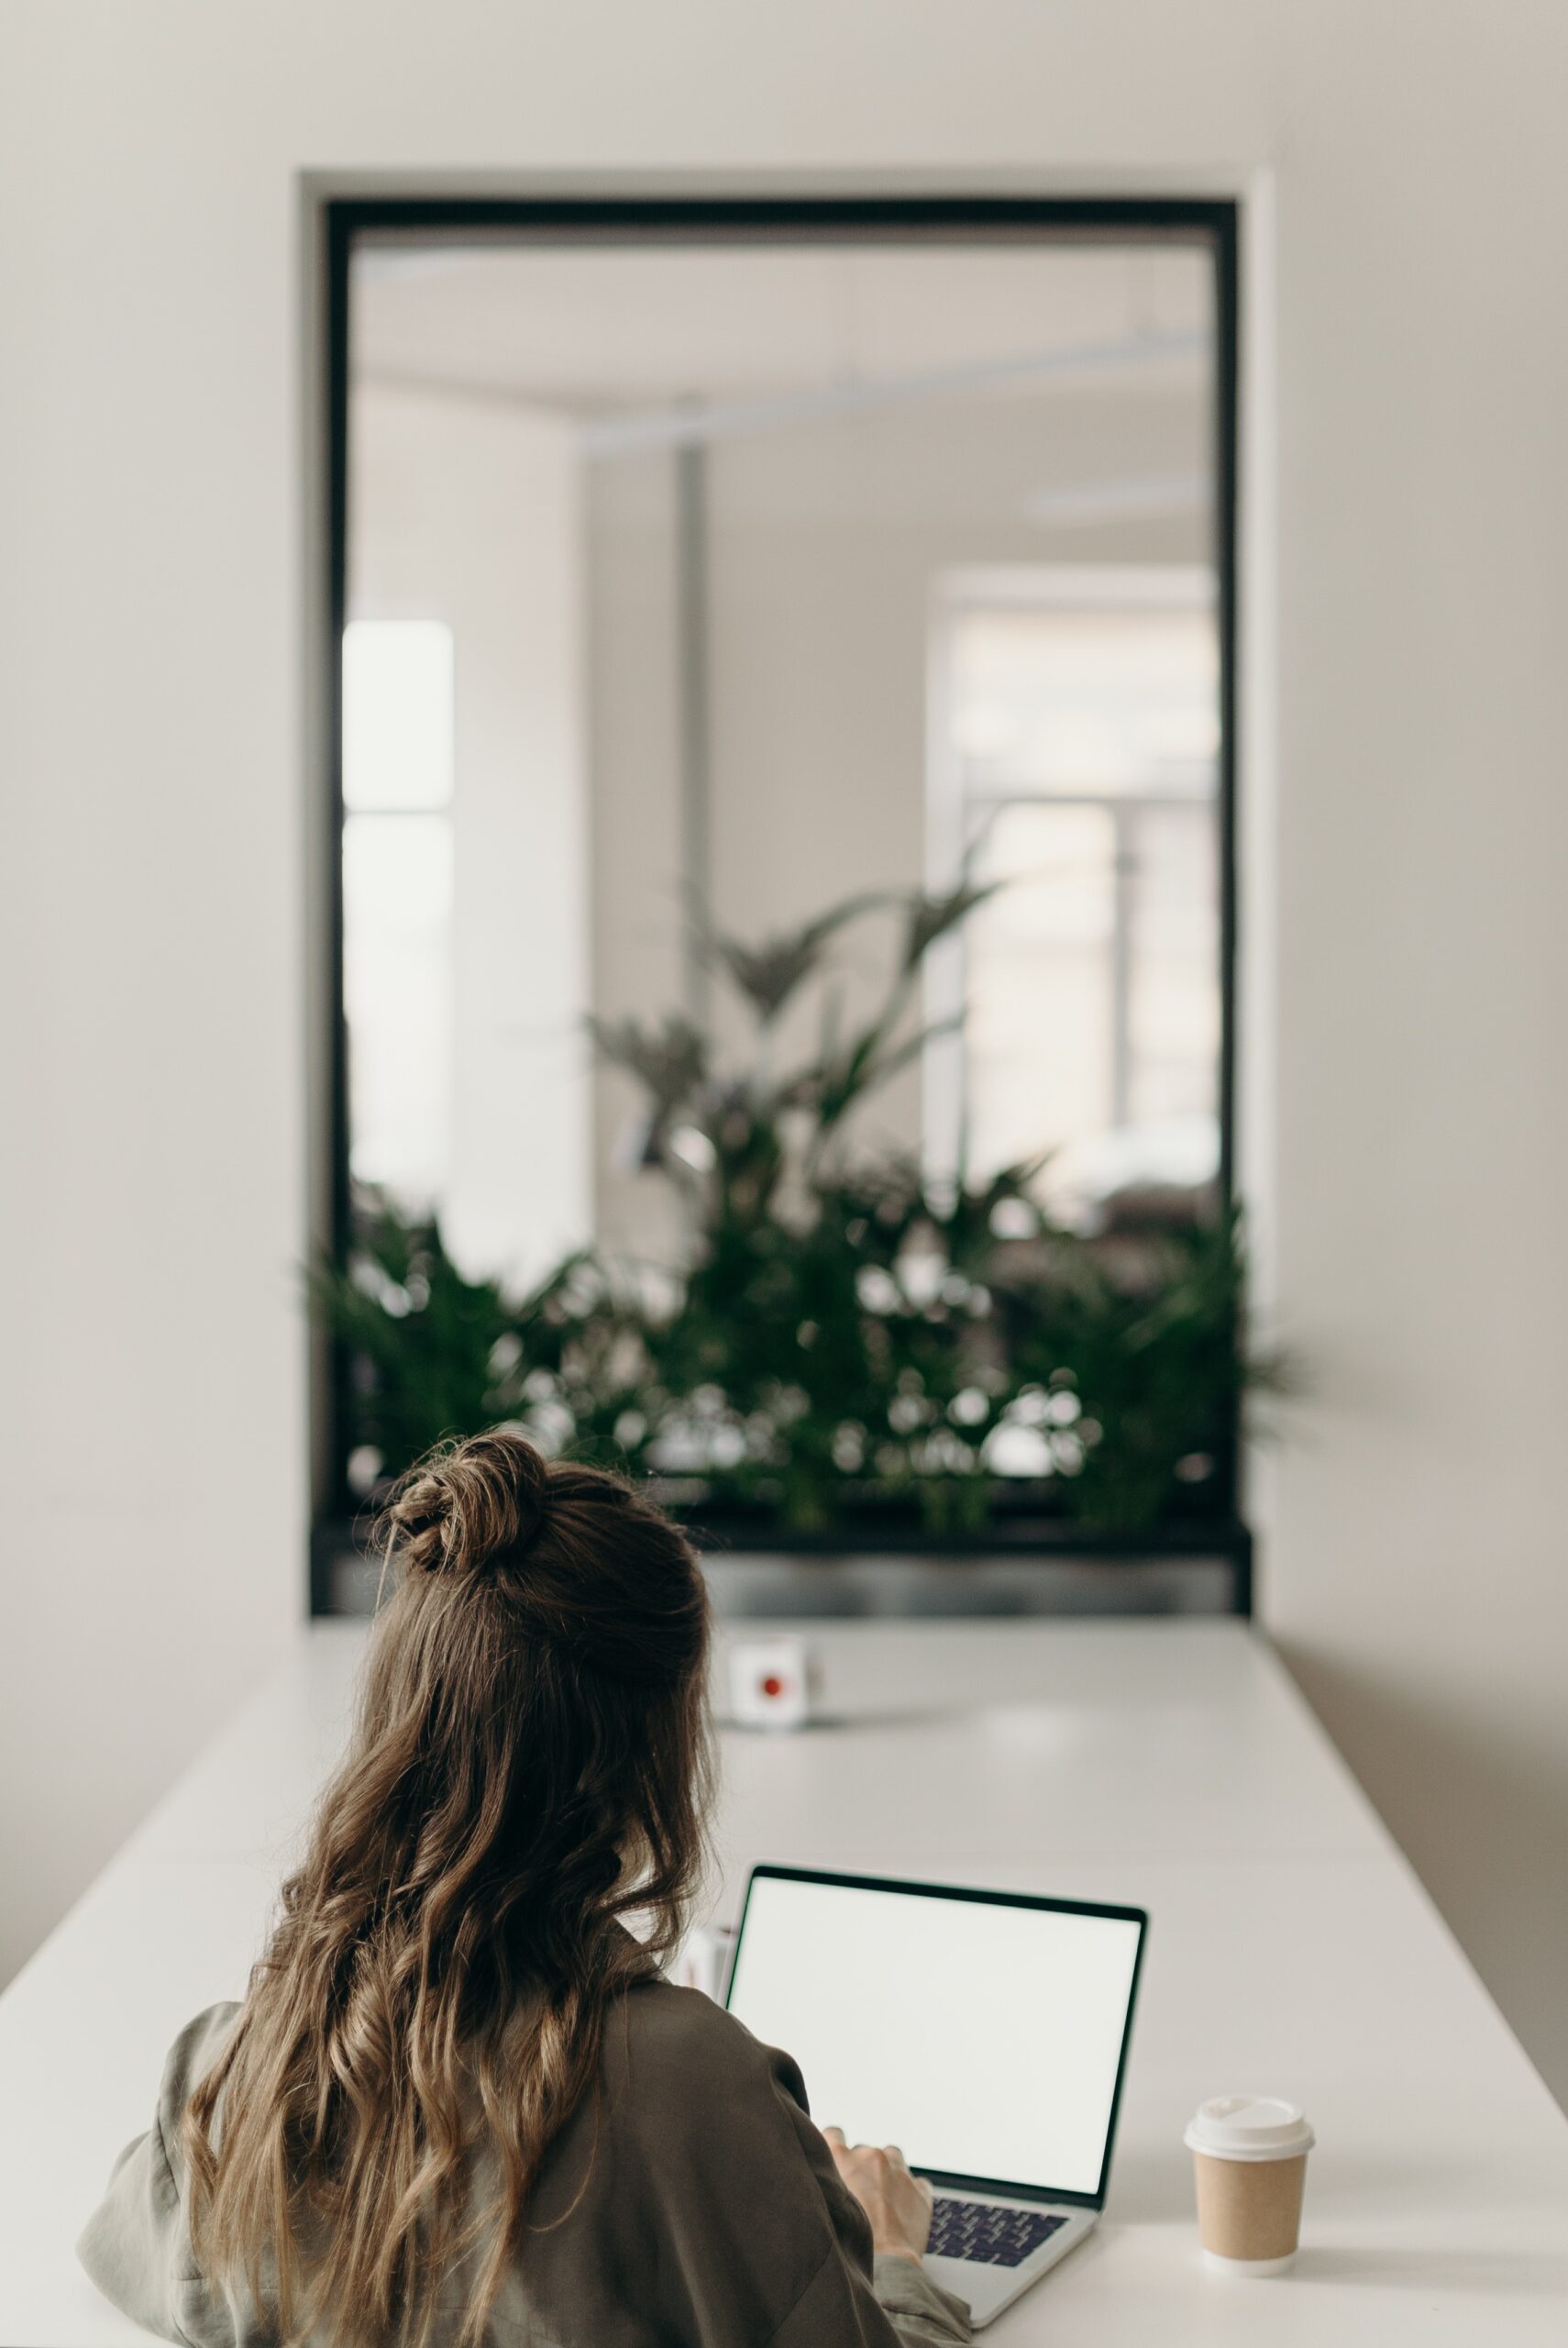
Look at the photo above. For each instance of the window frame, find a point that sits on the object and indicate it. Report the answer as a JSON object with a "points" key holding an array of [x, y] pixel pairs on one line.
{"points": [[341, 220], [952, 804]]}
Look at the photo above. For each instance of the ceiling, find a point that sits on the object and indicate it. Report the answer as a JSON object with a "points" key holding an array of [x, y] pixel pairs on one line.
{"points": [[594, 329]]}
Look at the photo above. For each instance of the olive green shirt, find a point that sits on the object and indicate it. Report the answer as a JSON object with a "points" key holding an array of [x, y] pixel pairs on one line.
{"points": [[712, 2215]]}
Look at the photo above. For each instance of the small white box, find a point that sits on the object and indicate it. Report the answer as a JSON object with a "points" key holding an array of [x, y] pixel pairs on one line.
{"points": [[770, 1683]]}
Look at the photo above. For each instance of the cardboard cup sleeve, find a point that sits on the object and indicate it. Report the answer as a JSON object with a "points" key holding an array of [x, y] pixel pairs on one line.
{"points": [[1250, 2165]]}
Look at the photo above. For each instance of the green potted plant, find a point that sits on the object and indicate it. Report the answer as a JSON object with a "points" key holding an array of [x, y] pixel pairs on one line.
{"points": [[843, 1341]]}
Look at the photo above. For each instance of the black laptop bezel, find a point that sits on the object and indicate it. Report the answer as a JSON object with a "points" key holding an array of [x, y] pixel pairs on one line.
{"points": [[1139, 1916]]}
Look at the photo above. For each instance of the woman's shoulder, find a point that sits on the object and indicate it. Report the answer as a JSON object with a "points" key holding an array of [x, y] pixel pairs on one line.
{"points": [[666, 2023], [699, 2109], [189, 2059], [678, 2040]]}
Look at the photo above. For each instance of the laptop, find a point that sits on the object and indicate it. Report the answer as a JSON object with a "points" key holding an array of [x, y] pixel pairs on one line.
{"points": [[983, 2033]]}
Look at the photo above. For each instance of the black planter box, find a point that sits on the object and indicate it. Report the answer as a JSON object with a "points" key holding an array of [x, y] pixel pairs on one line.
{"points": [[880, 1559]]}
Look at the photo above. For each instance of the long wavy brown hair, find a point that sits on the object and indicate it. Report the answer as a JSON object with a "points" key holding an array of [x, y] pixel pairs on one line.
{"points": [[530, 1766]]}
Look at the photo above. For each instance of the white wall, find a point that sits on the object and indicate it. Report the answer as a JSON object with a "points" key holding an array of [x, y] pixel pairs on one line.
{"points": [[470, 512], [826, 546], [151, 627], [635, 770], [825, 542], [1417, 1576]]}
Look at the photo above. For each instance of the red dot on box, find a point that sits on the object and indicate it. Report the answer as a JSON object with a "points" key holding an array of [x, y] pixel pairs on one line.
{"points": [[773, 1685]]}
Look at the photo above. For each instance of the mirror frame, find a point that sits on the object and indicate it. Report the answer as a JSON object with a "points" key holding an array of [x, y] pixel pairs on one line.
{"points": [[795, 219]]}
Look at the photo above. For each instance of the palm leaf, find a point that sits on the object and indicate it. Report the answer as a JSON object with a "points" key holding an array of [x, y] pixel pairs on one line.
{"points": [[770, 972]]}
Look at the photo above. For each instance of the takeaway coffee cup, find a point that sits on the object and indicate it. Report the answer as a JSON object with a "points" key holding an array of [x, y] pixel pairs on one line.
{"points": [[1249, 2152]]}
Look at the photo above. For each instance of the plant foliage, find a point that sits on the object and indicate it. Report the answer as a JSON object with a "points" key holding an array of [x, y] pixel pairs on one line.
{"points": [[839, 1326]]}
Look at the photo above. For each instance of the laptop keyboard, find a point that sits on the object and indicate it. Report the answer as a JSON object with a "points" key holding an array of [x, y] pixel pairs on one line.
{"points": [[988, 2235]]}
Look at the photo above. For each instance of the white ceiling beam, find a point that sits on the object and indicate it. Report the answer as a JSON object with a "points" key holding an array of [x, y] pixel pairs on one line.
{"points": [[696, 423]]}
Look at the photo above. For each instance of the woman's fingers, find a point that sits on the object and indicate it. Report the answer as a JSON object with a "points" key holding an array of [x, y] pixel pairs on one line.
{"points": [[923, 2185], [898, 2205]]}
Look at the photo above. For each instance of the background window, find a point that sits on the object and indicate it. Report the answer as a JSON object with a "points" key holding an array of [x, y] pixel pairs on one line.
{"points": [[726, 604], [398, 722], [1074, 769]]}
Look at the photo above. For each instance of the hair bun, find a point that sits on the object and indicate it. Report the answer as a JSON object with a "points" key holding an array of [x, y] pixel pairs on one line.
{"points": [[461, 1509]]}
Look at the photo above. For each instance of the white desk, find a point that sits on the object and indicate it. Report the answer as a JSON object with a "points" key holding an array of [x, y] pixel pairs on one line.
{"points": [[1168, 1764]]}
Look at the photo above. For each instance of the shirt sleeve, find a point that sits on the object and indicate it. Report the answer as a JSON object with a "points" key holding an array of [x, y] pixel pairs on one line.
{"points": [[136, 2246], [919, 2310], [130, 2244], [844, 2308], [722, 2201], [854, 2300]]}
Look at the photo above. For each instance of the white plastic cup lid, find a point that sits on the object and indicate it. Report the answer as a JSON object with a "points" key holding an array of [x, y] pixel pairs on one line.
{"points": [[1249, 2127]]}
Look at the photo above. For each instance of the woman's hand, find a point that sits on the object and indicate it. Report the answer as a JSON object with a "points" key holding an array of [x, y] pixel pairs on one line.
{"points": [[898, 2204]]}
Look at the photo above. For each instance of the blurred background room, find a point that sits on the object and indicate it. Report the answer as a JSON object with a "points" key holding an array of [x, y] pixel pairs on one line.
{"points": [[822, 748], [786, 972]]}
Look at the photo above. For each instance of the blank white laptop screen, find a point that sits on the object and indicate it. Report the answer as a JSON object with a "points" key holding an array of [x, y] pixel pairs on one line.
{"points": [[983, 2039]]}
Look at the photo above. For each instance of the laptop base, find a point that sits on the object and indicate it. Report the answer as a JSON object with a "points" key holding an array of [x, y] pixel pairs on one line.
{"points": [[989, 2289]]}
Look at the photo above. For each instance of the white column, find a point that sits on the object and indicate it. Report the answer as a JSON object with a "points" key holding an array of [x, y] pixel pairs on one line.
{"points": [[470, 512]]}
